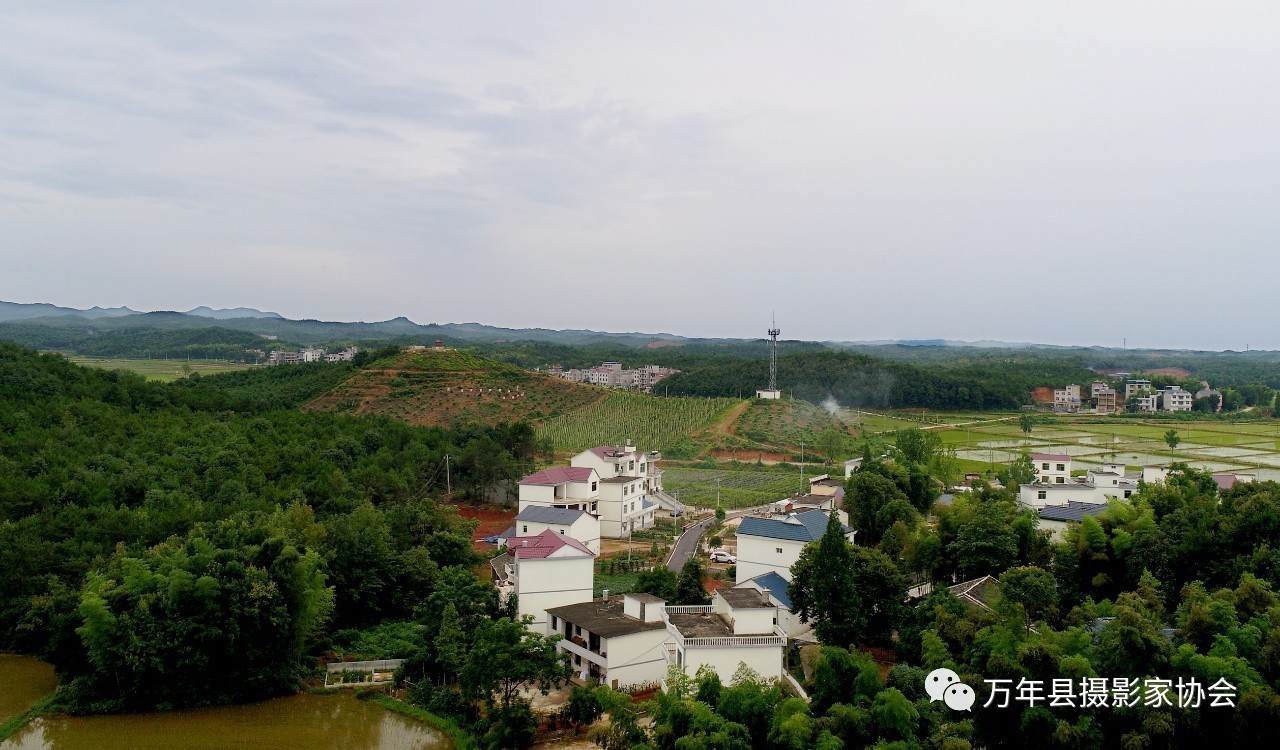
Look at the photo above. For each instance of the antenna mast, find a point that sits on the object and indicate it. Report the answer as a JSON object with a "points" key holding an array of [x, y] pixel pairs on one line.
{"points": [[773, 355]]}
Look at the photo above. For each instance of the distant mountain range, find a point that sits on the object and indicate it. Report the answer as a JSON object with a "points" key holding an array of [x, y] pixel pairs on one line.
{"points": [[25, 311]]}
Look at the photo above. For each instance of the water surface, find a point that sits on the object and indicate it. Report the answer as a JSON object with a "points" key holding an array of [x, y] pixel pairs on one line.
{"points": [[23, 681], [324, 722]]}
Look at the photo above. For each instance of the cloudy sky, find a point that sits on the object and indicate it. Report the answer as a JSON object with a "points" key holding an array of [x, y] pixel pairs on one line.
{"points": [[1062, 173]]}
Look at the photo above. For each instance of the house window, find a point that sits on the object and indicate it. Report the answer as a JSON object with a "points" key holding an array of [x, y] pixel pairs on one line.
{"points": [[778, 550], [1042, 495], [555, 622], [1062, 480], [631, 466], [577, 630], [1044, 466], [577, 659], [524, 529], [561, 531], [1062, 467], [593, 486], [1127, 493]]}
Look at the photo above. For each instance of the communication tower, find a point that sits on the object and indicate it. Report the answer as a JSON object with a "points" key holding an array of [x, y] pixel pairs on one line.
{"points": [[772, 391]]}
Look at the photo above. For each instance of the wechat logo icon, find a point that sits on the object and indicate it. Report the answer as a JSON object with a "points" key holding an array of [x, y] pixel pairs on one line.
{"points": [[945, 685]]}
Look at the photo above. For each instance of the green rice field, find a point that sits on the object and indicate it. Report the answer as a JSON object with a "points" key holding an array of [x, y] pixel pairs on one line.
{"points": [[161, 369], [987, 439]]}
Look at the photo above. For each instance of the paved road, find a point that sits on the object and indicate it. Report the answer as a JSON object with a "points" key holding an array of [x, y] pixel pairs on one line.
{"points": [[687, 544]]}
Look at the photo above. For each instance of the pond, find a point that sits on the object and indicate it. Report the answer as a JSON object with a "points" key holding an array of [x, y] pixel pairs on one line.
{"points": [[23, 681], [323, 722]]}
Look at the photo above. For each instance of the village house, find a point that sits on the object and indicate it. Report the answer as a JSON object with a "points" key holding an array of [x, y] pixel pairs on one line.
{"points": [[1055, 519], [1052, 468], [1067, 400], [542, 571], [1174, 398], [738, 628], [1136, 387], [571, 487], [774, 544], [578, 524], [628, 476], [619, 641], [777, 588], [1096, 487]]}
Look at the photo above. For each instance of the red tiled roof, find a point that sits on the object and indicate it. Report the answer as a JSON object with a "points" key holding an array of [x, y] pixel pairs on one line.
{"points": [[608, 452], [1050, 457], [543, 545], [559, 475]]}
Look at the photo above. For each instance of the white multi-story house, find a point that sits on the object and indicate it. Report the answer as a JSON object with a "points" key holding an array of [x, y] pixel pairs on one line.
{"points": [[1174, 398], [619, 641], [542, 571], [627, 477], [1137, 387], [1067, 399], [1097, 387], [571, 487], [738, 628], [1052, 468], [1147, 403], [1097, 487], [578, 524], [1106, 401], [774, 544]]}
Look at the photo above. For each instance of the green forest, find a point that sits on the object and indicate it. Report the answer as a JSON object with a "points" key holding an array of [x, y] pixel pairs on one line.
{"points": [[190, 543]]}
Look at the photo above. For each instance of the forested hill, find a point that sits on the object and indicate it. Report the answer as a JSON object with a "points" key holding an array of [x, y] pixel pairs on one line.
{"points": [[859, 380], [164, 546]]}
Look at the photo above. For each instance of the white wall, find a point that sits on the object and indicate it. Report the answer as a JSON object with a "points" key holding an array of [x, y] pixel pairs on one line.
{"points": [[758, 555], [552, 582], [637, 659], [766, 660], [586, 530]]}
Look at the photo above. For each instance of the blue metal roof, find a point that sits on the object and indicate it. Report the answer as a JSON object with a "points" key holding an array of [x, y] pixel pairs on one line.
{"points": [[775, 584], [802, 527], [544, 514]]}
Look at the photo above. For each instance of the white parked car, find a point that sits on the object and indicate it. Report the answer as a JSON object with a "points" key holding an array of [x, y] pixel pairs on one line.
{"points": [[720, 556]]}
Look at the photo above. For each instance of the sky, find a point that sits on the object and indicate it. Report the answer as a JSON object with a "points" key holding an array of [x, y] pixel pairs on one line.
{"points": [[1064, 173]]}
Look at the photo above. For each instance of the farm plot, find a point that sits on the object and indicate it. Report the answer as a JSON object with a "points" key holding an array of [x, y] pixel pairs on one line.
{"points": [[738, 489], [652, 422]]}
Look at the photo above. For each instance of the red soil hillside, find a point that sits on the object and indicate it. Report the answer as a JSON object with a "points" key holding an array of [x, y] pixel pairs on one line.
{"points": [[444, 387]]}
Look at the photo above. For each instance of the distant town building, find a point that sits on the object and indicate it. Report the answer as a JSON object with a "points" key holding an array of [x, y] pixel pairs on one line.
{"points": [[1067, 400], [1105, 401], [614, 375], [1134, 388], [280, 357]]}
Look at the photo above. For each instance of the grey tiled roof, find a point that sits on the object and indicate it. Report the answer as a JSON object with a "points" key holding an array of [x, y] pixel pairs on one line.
{"points": [[545, 514]]}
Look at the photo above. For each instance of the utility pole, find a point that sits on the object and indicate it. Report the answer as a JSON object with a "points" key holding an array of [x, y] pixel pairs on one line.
{"points": [[448, 480]]}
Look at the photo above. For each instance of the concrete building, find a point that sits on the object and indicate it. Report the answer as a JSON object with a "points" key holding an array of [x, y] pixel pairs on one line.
{"points": [[1148, 403], [571, 487], [768, 545], [620, 641], [1096, 488], [628, 476], [1174, 398], [1105, 401], [1056, 519], [1067, 400], [578, 524], [1137, 387], [777, 588], [737, 628], [1097, 387], [1052, 468], [543, 571]]}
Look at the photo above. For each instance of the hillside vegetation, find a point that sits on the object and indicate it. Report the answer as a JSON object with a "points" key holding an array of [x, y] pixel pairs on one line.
{"points": [[445, 387], [789, 423], [649, 421]]}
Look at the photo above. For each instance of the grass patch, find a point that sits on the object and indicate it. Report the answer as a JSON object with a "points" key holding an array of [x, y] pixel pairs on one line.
{"points": [[461, 739], [14, 723], [161, 369]]}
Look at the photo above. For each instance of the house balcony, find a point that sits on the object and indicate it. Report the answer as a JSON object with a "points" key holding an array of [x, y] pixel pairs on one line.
{"points": [[574, 646]]}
